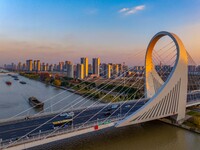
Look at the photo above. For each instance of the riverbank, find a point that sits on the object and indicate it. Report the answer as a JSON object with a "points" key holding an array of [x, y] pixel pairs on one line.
{"points": [[191, 123], [89, 89], [183, 126], [77, 92]]}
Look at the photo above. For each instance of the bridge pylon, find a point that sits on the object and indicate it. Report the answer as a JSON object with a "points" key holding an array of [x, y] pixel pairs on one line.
{"points": [[166, 98]]}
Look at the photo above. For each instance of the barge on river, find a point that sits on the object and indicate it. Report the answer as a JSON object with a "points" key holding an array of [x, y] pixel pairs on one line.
{"points": [[35, 102]]}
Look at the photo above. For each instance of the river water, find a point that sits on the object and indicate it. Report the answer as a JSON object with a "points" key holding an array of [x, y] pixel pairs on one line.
{"points": [[14, 98], [153, 135]]}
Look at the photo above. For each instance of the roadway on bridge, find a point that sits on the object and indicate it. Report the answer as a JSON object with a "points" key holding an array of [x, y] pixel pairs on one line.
{"points": [[18, 129]]}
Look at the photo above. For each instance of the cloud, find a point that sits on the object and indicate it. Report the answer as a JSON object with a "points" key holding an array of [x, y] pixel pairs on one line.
{"points": [[123, 10], [130, 11]]}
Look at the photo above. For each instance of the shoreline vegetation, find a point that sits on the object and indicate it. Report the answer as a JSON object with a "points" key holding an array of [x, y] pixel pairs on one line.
{"points": [[88, 88], [193, 120]]}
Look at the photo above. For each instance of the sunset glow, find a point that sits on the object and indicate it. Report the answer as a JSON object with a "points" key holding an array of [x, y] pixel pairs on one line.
{"points": [[54, 30]]}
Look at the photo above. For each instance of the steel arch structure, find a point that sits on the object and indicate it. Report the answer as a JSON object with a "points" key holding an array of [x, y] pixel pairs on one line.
{"points": [[166, 98]]}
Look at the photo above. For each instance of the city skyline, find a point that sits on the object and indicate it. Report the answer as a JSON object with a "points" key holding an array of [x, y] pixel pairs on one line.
{"points": [[109, 30]]}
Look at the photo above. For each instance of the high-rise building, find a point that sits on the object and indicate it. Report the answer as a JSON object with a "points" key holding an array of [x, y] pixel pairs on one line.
{"points": [[84, 61], [29, 65], [198, 68], [19, 66], [66, 65], [24, 67], [191, 68], [47, 67], [120, 69], [51, 68], [125, 68], [35, 65], [38, 65], [115, 69], [54, 67], [96, 66], [108, 71], [90, 69], [44, 67], [70, 70], [80, 71], [61, 64], [103, 70]]}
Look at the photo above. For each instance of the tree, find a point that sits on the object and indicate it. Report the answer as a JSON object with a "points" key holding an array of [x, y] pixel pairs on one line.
{"points": [[64, 83], [43, 76], [196, 120], [47, 80], [57, 82]]}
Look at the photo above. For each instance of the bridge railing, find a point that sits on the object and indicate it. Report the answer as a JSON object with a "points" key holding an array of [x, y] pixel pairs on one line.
{"points": [[53, 132]]}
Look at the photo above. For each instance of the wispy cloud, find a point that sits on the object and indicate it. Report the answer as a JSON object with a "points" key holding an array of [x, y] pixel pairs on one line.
{"points": [[129, 11], [123, 10]]}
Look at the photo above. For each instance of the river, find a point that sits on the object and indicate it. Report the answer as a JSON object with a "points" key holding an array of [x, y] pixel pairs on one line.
{"points": [[153, 135], [14, 98]]}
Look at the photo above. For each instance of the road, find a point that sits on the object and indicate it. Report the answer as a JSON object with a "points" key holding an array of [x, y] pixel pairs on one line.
{"points": [[16, 130]]}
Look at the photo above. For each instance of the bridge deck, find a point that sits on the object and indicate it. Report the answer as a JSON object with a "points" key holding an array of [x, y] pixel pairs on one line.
{"points": [[14, 129]]}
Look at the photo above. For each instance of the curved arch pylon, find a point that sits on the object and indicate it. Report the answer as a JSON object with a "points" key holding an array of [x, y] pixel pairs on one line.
{"points": [[166, 98]]}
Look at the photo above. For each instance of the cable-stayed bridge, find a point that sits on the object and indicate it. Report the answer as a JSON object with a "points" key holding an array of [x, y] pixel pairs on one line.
{"points": [[168, 92]]}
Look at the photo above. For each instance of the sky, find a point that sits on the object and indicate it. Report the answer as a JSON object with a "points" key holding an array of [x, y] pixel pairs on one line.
{"points": [[114, 30]]}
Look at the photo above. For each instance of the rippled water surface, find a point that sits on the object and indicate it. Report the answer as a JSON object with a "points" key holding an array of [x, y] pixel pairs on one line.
{"points": [[149, 136], [14, 98]]}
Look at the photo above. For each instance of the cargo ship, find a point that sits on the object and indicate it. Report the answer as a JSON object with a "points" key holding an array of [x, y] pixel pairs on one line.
{"points": [[35, 102], [22, 82], [8, 83]]}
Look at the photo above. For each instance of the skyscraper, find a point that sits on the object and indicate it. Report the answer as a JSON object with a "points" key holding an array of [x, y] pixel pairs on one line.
{"points": [[24, 67], [108, 71], [120, 69], [61, 64], [29, 65], [70, 70], [47, 67], [80, 71], [51, 68], [66, 65], [19, 66], [96, 66], [44, 67], [38, 65], [115, 69], [84, 61], [34, 65], [90, 68]]}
